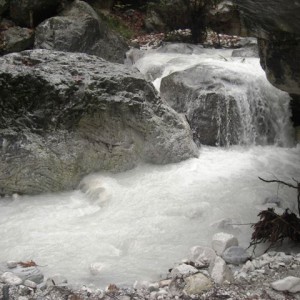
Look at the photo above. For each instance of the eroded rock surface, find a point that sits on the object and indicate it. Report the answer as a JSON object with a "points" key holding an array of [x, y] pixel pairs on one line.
{"points": [[79, 29], [64, 115]]}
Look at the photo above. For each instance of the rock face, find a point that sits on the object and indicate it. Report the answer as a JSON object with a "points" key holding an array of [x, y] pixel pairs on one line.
{"points": [[16, 39], [64, 115], [277, 26], [3, 6], [79, 29], [31, 12]]}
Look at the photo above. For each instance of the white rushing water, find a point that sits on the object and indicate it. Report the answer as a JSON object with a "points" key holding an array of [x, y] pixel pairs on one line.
{"points": [[140, 222]]}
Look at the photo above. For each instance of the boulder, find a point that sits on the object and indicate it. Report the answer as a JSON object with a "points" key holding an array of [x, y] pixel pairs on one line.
{"points": [[197, 284], [277, 26], [221, 241], [289, 284], [10, 278], [220, 272], [16, 39], [65, 115], [202, 255], [247, 51], [31, 12], [222, 107], [79, 29], [183, 270]]}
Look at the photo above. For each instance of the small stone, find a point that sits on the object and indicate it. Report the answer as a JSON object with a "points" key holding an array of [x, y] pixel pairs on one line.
{"points": [[183, 271], [196, 284], [221, 241], [22, 298], [202, 255], [290, 284], [10, 278], [248, 267], [219, 271], [165, 282], [153, 287], [12, 264], [30, 284], [235, 255], [141, 284], [56, 280]]}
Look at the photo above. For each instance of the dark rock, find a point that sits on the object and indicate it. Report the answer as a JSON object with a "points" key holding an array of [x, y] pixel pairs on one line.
{"points": [[3, 6], [277, 25], [64, 115], [79, 29], [281, 61], [31, 12], [16, 39]]}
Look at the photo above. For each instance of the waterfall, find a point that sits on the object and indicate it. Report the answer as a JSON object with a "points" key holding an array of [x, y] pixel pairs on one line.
{"points": [[247, 110], [138, 224]]}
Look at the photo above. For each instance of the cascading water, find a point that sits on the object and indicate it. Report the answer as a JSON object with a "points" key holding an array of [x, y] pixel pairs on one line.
{"points": [[249, 110], [137, 224]]}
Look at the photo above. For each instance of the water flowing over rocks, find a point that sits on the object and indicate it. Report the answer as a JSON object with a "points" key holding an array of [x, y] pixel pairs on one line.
{"points": [[274, 275], [79, 29], [65, 115]]}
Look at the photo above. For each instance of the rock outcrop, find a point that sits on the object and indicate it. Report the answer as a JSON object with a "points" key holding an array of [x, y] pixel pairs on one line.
{"points": [[277, 27], [64, 115], [79, 29]]}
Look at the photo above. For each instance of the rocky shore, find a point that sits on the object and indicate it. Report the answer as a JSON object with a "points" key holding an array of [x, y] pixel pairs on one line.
{"points": [[224, 271]]}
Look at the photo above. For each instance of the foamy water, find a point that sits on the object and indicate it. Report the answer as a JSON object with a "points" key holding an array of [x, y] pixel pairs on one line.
{"points": [[139, 223]]}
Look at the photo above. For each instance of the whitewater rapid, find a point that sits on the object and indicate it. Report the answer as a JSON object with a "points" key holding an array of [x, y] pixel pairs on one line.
{"points": [[139, 223]]}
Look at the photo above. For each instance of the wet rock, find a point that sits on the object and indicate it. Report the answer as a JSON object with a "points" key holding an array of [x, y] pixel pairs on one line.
{"points": [[81, 115], [10, 278], [56, 280], [202, 255], [221, 241], [30, 13], [79, 29], [16, 39], [220, 272], [30, 284], [235, 255], [183, 270], [290, 284], [12, 264], [30, 273], [197, 284]]}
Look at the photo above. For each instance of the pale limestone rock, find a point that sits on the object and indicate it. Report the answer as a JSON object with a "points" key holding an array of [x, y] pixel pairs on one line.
{"points": [[183, 270], [290, 284], [220, 272], [202, 255], [221, 241], [30, 284], [12, 264], [196, 284], [10, 278]]}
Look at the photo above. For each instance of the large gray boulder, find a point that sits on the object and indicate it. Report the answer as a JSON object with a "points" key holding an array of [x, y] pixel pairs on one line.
{"points": [[213, 117], [15, 39], [64, 115], [79, 29], [31, 12], [223, 109]]}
